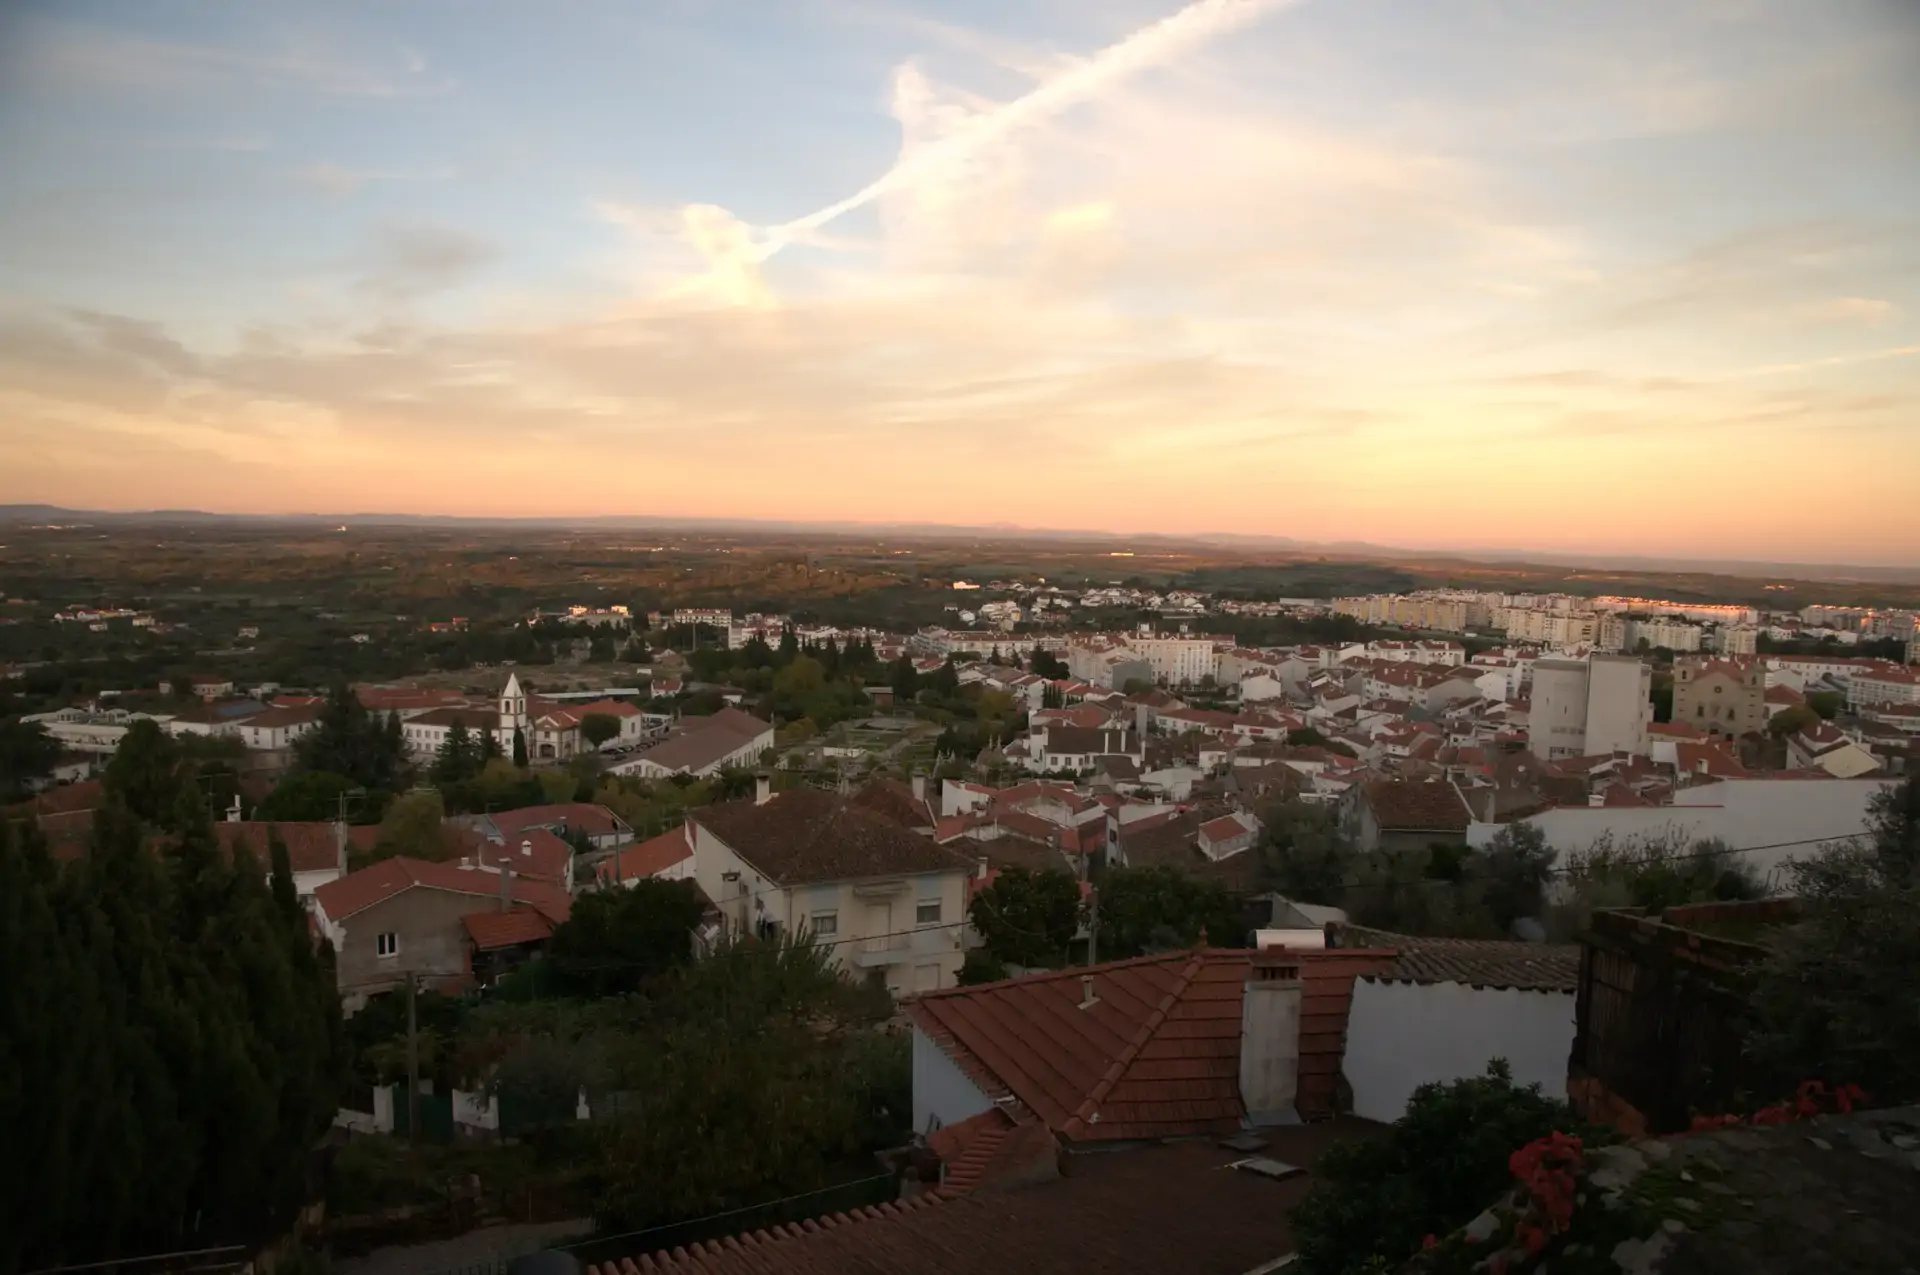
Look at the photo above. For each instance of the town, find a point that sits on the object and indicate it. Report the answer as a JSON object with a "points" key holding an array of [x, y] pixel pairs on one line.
{"points": [[920, 637], [990, 828]]}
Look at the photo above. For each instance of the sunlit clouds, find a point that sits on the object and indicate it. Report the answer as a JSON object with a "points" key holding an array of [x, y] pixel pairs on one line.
{"points": [[1623, 277]]}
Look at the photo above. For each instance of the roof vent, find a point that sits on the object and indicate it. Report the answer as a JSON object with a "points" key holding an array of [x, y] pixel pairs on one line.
{"points": [[526, 848], [1278, 1170], [1087, 998]]}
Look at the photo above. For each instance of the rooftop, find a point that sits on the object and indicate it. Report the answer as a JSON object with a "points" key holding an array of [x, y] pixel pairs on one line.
{"points": [[804, 835], [1156, 1055], [1144, 1211], [1531, 967]]}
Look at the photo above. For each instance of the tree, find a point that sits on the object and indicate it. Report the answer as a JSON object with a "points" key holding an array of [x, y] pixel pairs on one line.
{"points": [[414, 827], [27, 754], [598, 728], [1136, 686], [905, 679], [1834, 998], [519, 749], [175, 1092], [1826, 703], [617, 940], [1791, 721], [459, 756], [754, 1076], [1304, 853], [1161, 907], [1027, 917], [600, 648], [145, 773], [305, 796], [1048, 665], [1439, 1165], [348, 740], [1513, 873]]}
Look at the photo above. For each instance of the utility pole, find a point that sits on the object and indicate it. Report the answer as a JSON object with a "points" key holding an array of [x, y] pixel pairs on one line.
{"points": [[413, 1064]]}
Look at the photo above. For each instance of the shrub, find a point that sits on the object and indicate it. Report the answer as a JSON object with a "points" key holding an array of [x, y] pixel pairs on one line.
{"points": [[1437, 1167]]}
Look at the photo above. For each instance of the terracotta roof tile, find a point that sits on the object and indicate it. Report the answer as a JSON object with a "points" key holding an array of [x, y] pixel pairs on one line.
{"points": [[1158, 1053], [358, 891], [491, 931], [804, 835], [1537, 967], [311, 847], [1135, 1212], [1430, 805], [649, 858]]}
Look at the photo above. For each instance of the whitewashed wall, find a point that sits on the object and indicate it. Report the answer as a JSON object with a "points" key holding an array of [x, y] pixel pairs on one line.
{"points": [[1403, 1035], [1742, 812], [942, 1093]]}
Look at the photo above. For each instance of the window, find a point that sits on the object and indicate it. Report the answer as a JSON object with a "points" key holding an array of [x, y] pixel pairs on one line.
{"points": [[928, 913], [825, 923], [387, 944]]}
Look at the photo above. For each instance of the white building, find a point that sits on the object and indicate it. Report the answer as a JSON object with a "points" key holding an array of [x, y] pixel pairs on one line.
{"points": [[1582, 708], [1448, 1008], [888, 903]]}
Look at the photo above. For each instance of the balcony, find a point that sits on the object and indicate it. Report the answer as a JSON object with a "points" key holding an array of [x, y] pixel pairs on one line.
{"points": [[899, 949]]}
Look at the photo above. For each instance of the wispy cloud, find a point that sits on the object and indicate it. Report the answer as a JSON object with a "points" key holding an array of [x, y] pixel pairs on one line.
{"points": [[67, 56], [735, 252], [337, 179]]}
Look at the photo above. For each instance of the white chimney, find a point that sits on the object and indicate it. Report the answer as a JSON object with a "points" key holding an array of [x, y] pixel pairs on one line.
{"points": [[762, 789], [1087, 998], [1270, 1042], [233, 811], [919, 789], [340, 844], [526, 848]]}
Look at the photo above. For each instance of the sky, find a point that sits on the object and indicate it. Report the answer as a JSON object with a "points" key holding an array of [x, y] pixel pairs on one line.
{"points": [[1576, 276]]}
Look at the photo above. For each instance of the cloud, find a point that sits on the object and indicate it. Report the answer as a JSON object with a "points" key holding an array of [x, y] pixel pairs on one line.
{"points": [[1870, 311], [965, 140], [73, 56], [410, 261], [336, 179]]}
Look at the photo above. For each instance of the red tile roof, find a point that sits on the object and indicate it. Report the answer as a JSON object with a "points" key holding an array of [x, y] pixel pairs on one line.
{"points": [[649, 858], [1145, 1211], [311, 847], [1430, 805], [491, 931], [358, 891], [569, 816], [1158, 1053], [804, 835], [533, 852]]}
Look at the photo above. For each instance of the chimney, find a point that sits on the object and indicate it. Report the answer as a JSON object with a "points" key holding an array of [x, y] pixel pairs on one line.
{"points": [[1087, 998], [340, 844], [506, 887], [526, 847], [233, 811], [1270, 1042], [762, 789], [920, 789]]}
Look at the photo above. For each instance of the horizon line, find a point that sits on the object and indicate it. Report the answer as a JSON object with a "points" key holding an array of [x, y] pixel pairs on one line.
{"points": [[1596, 558]]}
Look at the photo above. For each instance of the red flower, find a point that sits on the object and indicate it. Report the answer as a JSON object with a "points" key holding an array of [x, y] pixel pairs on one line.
{"points": [[1532, 1238], [1429, 1242]]}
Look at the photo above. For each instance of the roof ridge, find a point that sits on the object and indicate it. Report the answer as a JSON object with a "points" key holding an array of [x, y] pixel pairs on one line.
{"points": [[687, 1258], [1090, 1106], [1040, 976]]}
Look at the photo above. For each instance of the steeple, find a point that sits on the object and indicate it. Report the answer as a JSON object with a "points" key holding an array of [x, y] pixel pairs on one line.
{"points": [[513, 703]]}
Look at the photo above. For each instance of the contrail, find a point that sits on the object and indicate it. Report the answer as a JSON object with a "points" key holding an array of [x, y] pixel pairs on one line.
{"points": [[1146, 47]]}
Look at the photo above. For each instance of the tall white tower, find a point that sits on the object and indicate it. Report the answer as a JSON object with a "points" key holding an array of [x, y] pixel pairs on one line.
{"points": [[513, 705]]}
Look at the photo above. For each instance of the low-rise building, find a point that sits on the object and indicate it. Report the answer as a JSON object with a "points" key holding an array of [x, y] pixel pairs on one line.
{"points": [[887, 902], [1725, 698]]}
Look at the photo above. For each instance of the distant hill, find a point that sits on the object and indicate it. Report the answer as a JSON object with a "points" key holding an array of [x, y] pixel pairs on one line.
{"points": [[1001, 532]]}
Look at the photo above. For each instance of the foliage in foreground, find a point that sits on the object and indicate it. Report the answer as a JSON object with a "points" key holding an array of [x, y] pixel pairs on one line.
{"points": [[1437, 1167], [173, 1041], [1834, 1000]]}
